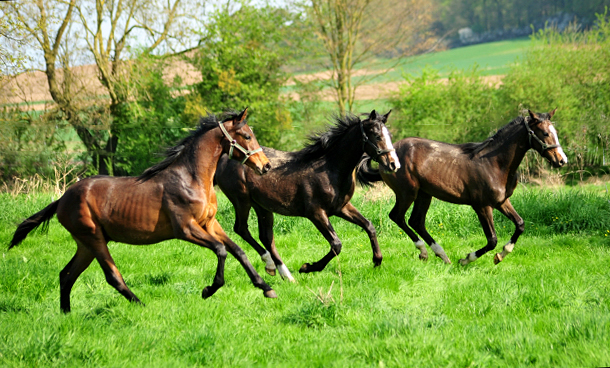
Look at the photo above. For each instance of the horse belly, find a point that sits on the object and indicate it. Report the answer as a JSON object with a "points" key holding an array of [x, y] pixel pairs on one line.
{"points": [[135, 217]]}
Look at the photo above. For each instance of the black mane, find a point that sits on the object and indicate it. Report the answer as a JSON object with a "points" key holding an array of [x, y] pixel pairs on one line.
{"points": [[472, 148], [186, 147], [321, 143]]}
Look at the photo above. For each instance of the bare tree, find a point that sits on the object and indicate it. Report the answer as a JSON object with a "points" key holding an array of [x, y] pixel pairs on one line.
{"points": [[107, 29], [112, 25], [358, 31]]}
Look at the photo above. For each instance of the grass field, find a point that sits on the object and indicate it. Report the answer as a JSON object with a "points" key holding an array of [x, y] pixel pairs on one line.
{"points": [[547, 304]]}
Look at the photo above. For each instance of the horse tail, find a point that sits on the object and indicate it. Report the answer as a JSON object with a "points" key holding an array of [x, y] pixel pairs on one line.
{"points": [[43, 217], [365, 174]]}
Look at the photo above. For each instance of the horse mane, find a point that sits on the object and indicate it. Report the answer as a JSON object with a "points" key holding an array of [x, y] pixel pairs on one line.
{"points": [[322, 142], [472, 148], [186, 147]]}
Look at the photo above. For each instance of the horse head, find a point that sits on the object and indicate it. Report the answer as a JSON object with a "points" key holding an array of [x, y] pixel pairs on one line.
{"points": [[543, 138], [377, 141], [242, 145]]}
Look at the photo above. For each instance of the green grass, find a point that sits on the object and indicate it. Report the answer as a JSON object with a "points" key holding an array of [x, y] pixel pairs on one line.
{"points": [[547, 304], [493, 58]]}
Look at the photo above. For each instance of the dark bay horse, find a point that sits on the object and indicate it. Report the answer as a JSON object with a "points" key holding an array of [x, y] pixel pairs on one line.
{"points": [[482, 175], [316, 182], [173, 199]]}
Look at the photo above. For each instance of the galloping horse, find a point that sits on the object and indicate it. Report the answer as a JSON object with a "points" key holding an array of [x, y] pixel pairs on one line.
{"points": [[316, 182], [173, 199], [482, 175]]}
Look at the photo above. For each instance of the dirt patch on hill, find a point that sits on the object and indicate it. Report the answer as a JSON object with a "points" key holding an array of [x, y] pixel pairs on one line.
{"points": [[31, 90]]}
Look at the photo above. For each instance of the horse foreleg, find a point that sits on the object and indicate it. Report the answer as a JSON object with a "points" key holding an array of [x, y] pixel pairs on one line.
{"points": [[240, 255], [322, 223], [242, 210], [192, 232], [265, 233], [351, 214], [486, 219], [507, 210], [418, 222], [397, 214], [67, 277]]}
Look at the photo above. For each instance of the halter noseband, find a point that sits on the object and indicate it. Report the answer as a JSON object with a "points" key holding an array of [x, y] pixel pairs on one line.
{"points": [[531, 135], [366, 140], [247, 153]]}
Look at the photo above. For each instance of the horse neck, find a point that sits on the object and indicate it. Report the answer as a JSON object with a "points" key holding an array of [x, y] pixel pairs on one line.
{"points": [[512, 150], [347, 152], [208, 150]]}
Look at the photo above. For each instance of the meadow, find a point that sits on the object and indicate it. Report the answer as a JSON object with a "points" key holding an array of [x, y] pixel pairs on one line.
{"points": [[546, 304]]}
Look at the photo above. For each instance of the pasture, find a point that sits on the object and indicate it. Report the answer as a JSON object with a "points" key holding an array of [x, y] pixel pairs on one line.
{"points": [[547, 304]]}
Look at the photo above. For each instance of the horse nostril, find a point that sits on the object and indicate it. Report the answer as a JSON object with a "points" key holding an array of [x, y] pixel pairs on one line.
{"points": [[267, 167]]}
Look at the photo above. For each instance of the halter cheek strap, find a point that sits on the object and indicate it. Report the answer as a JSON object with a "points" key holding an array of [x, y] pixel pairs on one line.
{"points": [[247, 153], [533, 135], [366, 140]]}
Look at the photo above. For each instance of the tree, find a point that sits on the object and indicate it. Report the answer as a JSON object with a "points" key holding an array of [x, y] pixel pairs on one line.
{"points": [[108, 29], [240, 61], [357, 31]]}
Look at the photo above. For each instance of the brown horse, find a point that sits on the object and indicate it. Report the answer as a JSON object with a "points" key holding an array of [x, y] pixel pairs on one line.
{"points": [[316, 182], [173, 199], [482, 175]]}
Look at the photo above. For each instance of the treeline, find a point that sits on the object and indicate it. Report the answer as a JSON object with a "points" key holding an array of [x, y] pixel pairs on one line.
{"points": [[493, 15]]}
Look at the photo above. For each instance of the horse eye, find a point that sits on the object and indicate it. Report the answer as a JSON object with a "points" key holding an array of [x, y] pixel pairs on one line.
{"points": [[248, 137], [545, 134]]}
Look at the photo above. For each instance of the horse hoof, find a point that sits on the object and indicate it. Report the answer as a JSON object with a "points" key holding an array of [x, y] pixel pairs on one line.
{"points": [[497, 258], [207, 292], [270, 271], [270, 294], [377, 262], [464, 262], [304, 268], [423, 257]]}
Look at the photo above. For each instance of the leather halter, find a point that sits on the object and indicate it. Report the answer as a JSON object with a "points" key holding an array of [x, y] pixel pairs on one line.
{"points": [[366, 140], [531, 135], [247, 153]]}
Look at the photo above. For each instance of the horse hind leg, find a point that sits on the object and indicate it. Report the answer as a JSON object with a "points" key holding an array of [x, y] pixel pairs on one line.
{"points": [[418, 222], [100, 249], [67, 277]]}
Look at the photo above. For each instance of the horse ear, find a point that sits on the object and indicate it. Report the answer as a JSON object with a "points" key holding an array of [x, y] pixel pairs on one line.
{"points": [[534, 117], [243, 115], [385, 117], [551, 113], [373, 115]]}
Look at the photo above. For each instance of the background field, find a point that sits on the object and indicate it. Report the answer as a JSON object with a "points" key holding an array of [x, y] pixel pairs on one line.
{"points": [[547, 304]]}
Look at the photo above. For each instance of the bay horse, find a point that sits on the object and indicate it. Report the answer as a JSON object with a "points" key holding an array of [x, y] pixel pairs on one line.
{"points": [[482, 175], [316, 182], [172, 199]]}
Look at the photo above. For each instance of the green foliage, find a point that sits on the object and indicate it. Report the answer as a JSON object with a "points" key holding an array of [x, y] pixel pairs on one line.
{"points": [[240, 61], [454, 109], [153, 121], [29, 143]]}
